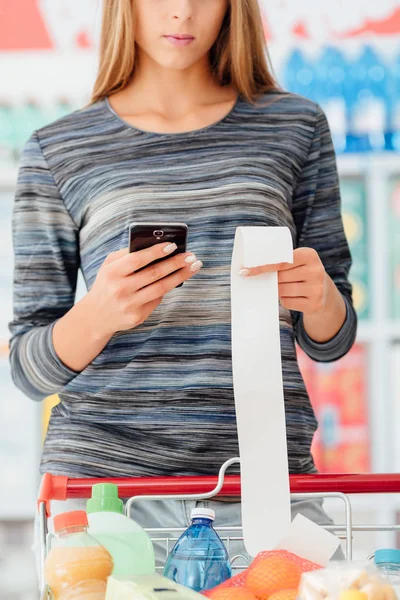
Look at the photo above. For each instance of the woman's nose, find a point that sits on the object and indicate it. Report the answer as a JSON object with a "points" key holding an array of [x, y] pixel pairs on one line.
{"points": [[182, 9]]}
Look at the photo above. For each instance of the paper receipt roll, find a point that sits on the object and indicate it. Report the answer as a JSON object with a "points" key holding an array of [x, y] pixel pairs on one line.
{"points": [[258, 386]]}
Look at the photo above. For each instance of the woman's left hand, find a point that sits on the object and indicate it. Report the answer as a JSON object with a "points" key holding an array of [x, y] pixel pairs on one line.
{"points": [[303, 284]]}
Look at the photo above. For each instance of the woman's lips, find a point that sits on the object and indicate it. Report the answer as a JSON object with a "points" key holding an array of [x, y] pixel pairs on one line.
{"points": [[179, 40]]}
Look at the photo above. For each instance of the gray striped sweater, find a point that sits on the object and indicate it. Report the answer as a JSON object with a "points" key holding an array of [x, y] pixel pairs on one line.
{"points": [[158, 400]]}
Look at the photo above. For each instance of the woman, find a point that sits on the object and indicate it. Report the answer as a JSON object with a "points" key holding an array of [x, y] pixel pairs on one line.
{"points": [[186, 124]]}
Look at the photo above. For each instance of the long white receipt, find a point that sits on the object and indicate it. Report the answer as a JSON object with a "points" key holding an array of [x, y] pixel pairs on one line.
{"points": [[258, 386]]}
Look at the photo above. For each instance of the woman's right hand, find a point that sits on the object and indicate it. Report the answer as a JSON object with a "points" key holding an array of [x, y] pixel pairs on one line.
{"points": [[123, 298]]}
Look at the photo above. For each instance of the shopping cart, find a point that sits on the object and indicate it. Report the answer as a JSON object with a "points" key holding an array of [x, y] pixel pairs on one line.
{"points": [[303, 487]]}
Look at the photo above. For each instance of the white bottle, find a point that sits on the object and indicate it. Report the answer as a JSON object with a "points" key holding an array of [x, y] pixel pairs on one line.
{"points": [[129, 545]]}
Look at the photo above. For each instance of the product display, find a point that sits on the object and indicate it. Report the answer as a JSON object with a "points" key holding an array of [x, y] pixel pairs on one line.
{"points": [[338, 392], [355, 221], [19, 120], [359, 93]]}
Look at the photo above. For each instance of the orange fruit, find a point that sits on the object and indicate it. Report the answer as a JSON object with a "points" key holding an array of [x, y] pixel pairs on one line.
{"points": [[284, 595], [231, 593], [272, 574]]}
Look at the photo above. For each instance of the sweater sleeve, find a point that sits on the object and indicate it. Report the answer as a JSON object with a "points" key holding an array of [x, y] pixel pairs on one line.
{"points": [[317, 214], [46, 261]]}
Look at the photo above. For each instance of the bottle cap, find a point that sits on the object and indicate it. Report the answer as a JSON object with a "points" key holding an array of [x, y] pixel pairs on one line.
{"points": [[75, 518], [105, 499], [203, 513], [390, 555], [353, 595]]}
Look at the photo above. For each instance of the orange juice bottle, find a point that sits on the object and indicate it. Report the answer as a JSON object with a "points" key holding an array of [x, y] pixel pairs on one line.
{"points": [[77, 566]]}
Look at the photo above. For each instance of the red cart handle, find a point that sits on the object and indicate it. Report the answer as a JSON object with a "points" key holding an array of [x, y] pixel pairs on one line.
{"points": [[57, 487]]}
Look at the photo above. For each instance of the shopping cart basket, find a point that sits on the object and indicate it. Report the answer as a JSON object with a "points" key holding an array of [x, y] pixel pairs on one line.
{"points": [[302, 487]]}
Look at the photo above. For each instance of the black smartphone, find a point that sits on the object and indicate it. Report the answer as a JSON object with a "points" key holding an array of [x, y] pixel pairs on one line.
{"points": [[145, 235]]}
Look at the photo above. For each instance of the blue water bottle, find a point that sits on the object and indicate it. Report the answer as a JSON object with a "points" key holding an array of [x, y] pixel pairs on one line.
{"points": [[331, 75], [299, 75], [199, 559], [370, 109], [395, 107]]}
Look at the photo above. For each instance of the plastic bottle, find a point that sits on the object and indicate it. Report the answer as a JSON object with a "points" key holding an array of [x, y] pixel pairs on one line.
{"points": [[388, 562], [369, 108], [331, 73], [129, 545], [199, 559], [299, 75], [395, 107], [77, 566]]}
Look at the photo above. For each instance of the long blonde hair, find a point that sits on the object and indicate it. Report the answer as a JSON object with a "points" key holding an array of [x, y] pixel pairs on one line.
{"points": [[238, 57]]}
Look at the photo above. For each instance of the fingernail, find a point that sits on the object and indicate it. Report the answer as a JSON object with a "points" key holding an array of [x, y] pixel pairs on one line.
{"points": [[170, 248], [191, 258], [196, 266], [244, 272]]}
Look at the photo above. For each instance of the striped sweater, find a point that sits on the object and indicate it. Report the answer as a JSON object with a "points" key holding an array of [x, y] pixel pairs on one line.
{"points": [[158, 400]]}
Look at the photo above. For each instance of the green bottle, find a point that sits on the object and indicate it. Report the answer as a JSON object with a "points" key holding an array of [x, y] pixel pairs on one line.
{"points": [[129, 545]]}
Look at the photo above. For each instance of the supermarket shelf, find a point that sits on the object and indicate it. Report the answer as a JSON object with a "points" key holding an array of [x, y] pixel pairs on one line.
{"points": [[358, 164], [370, 331]]}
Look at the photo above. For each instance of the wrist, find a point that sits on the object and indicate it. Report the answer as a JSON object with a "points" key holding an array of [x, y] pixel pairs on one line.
{"points": [[324, 324], [96, 326]]}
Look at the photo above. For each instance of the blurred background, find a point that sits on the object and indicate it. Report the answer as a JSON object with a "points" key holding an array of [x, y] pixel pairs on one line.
{"points": [[346, 57]]}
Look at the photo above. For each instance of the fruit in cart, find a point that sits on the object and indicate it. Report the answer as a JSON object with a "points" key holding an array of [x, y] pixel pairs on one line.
{"points": [[284, 595], [232, 593], [271, 574]]}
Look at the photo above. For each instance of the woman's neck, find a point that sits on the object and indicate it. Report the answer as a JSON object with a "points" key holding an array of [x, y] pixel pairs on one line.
{"points": [[159, 99]]}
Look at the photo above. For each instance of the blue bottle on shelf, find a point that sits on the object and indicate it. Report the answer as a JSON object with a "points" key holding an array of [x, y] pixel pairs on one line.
{"points": [[369, 103], [331, 74], [299, 75], [199, 559], [395, 107]]}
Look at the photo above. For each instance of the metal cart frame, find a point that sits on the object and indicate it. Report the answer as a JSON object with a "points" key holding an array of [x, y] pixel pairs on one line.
{"points": [[56, 487]]}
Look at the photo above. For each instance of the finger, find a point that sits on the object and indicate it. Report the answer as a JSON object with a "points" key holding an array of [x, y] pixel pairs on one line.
{"points": [[298, 304], [133, 261], [163, 286], [295, 290], [253, 271], [113, 256], [297, 274], [153, 273], [150, 307]]}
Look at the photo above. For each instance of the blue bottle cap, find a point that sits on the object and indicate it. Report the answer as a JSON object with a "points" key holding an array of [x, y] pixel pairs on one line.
{"points": [[387, 556]]}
